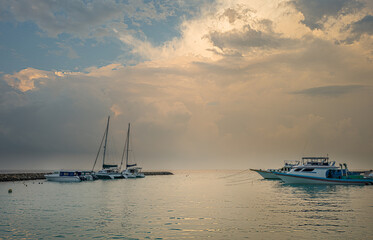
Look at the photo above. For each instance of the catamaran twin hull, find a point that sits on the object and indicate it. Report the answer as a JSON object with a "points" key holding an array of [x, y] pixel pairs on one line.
{"points": [[294, 179], [110, 176]]}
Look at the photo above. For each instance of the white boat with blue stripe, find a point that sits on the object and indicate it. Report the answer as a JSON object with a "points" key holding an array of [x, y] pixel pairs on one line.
{"points": [[319, 170], [70, 176]]}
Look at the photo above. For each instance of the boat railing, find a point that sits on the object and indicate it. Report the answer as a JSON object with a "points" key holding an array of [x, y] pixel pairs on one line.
{"points": [[291, 162], [317, 161]]}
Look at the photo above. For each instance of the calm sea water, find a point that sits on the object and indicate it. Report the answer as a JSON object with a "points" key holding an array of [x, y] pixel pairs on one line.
{"points": [[187, 205]]}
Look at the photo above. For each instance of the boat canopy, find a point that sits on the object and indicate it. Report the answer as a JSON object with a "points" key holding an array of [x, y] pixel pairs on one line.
{"points": [[316, 158], [131, 165], [105, 166]]}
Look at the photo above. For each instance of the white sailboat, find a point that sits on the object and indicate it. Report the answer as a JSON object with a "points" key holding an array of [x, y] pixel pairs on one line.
{"points": [[131, 170], [108, 171], [70, 176]]}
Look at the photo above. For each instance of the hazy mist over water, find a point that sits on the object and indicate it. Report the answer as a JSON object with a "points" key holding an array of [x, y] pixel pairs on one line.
{"points": [[187, 205]]}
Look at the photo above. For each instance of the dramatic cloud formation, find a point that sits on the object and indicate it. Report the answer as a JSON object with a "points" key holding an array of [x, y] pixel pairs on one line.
{"points": [[240, 84], [317, 12]]}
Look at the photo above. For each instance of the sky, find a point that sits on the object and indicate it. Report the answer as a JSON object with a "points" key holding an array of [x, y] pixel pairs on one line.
{"points": [[207, 84]]}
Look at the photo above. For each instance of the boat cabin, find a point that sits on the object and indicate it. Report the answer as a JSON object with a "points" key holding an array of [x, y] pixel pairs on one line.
{"points": [[69, 173], [289, 164]]}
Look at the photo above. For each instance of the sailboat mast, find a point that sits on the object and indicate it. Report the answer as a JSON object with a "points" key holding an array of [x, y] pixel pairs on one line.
{"points": [[99, 150], [128, 143], [107, 132]]}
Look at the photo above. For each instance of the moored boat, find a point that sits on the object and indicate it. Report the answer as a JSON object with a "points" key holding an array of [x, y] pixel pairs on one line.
{"points": [[108, 171], [70, 176], [270, 173], [131, 170], [319, 170]]}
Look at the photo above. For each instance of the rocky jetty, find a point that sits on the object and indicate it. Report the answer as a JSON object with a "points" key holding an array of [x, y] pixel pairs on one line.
{"points": [[11, 177], [153, 173]]}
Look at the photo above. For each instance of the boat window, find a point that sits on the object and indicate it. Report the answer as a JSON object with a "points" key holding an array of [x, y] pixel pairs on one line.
{"points": [[298, 169], [308, 169]]}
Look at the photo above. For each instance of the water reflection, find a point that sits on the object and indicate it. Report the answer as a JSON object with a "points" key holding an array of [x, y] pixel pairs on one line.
{"points": [[199, 205], [322, 208]]}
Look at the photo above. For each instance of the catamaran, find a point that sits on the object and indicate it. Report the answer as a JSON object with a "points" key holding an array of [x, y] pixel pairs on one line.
{"points": [[131, 170], [270, 173], [319, 170], [108, 171]]}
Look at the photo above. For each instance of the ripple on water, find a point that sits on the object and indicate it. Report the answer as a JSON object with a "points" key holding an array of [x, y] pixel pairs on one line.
{"points": [[202, 205]]}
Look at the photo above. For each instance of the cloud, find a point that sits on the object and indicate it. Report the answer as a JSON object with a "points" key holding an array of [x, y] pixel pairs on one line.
{"points": [[116, 110], [316, 12], [232, 28], [171, 105], [361, 27], [330, 91], [69, 17], [26, 79], [56, 119], [365, 25], [81, 18], [218, 91], [249, 38]]}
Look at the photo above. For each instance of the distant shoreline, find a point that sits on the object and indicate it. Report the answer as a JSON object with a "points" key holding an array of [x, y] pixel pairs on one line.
{"points": [[13, 177]]}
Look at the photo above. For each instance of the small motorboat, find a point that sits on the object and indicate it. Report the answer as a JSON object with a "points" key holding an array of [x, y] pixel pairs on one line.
{"points": [[70, 176]]}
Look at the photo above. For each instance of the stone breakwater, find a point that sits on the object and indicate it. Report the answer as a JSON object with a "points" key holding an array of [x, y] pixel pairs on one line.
{"points": [[12, 177], [157, 173]]}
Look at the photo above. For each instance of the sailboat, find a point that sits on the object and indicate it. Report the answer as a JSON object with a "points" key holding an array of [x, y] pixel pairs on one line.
{"points": [[131, 170], [109, 171]]}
